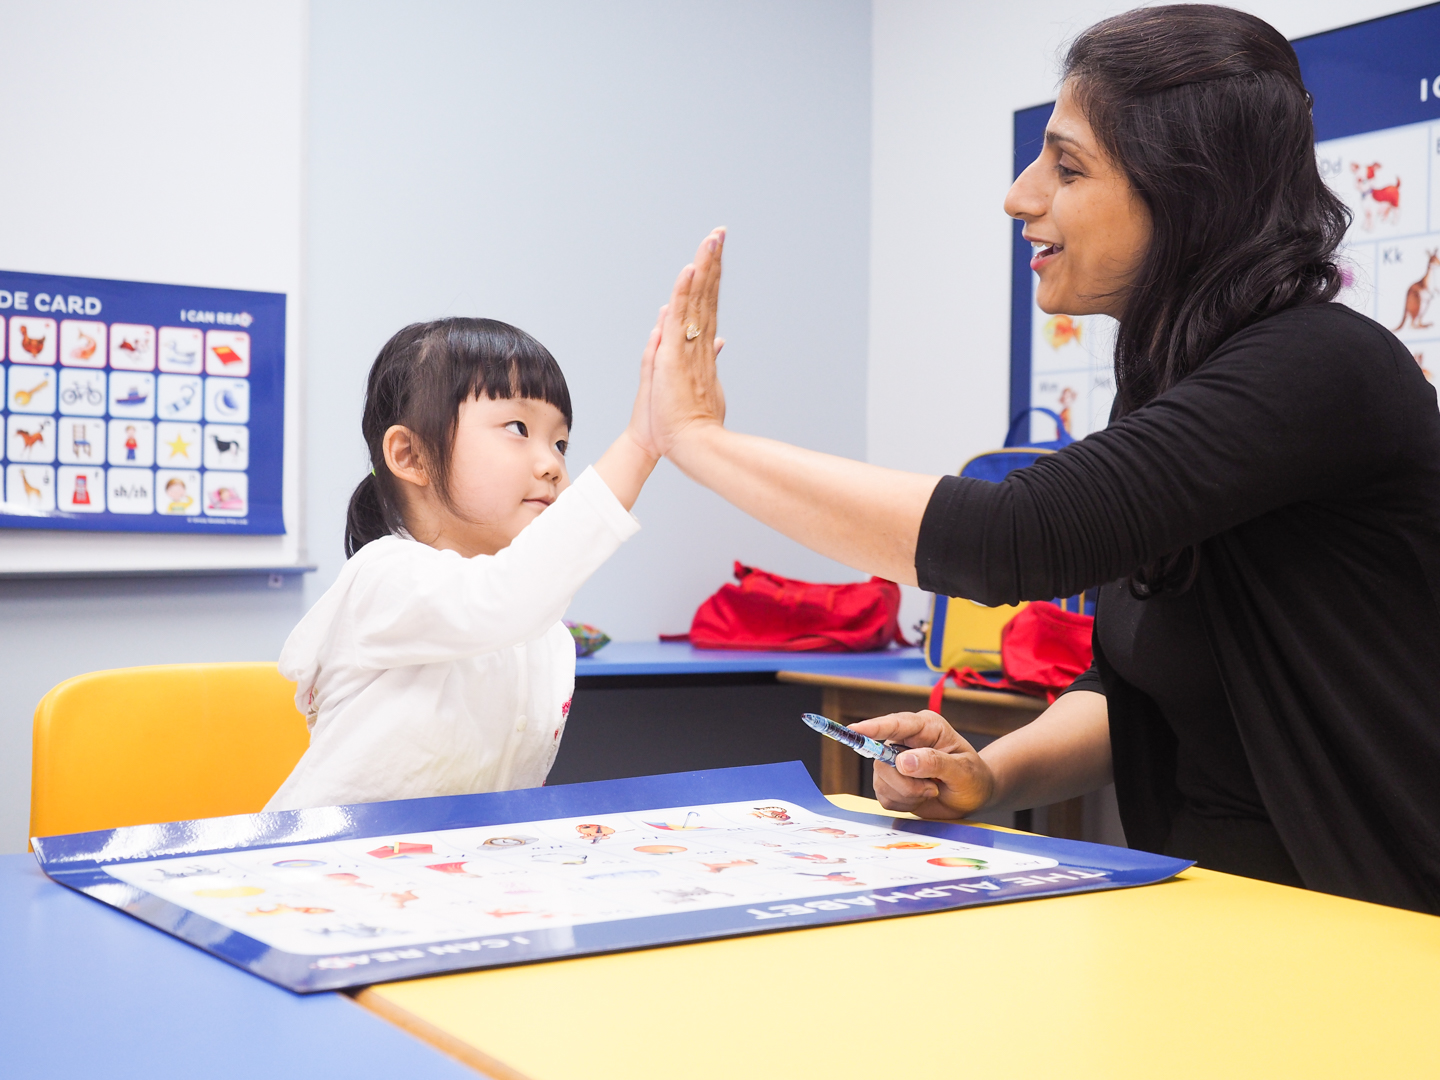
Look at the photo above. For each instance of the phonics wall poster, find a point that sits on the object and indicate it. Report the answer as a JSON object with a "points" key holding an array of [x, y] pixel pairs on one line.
{"points": [[1390, 179], [1377, 118], [141, 408], [344, 896]]}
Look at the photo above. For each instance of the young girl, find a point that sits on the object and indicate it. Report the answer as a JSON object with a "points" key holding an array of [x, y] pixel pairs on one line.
{"points": [[437, 663]]}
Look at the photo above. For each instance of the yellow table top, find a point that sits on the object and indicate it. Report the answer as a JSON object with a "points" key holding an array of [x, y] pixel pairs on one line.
{"points": [[1207, 975]]}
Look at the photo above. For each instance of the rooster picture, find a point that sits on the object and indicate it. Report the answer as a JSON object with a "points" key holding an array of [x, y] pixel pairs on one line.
{"points": [[32, 345]]}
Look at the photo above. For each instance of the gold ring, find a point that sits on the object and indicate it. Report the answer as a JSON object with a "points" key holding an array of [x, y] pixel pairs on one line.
{"points": [[692, 332]]}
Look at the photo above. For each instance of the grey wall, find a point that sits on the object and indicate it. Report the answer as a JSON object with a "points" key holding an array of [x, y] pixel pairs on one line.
{"points": [[551, 164], [554, 165]]}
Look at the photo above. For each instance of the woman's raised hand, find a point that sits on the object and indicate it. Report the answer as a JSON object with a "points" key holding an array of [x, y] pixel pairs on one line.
{"points": [[685, 391], [942, 776]]}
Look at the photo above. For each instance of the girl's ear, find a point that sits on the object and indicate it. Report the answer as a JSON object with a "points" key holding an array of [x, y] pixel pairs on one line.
{"points": [[403, 457]]}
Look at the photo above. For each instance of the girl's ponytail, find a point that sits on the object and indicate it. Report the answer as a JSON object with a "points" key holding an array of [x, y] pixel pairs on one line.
{"points": [[365, 520]]}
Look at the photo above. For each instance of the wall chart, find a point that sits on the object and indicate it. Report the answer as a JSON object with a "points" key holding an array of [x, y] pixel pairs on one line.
{"points": [[1376, 87], [141, 408]]}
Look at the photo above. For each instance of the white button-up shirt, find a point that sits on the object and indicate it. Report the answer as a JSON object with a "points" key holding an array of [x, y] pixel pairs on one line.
{"points": [[422, 672]]}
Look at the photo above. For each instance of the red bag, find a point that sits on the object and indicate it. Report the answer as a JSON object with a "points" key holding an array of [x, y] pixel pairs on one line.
{"points": [[766, 611], [1042, 651]]}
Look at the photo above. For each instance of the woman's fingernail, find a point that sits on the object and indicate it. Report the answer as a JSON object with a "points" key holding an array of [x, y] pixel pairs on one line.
{"points": [[711, 244]]}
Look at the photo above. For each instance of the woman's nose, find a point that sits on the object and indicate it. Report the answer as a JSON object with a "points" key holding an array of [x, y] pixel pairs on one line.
{"points": [[1025, 200]]}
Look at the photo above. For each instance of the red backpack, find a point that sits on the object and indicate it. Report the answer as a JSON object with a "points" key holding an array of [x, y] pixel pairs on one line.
{"points": [[773, 613], [1042, 651]]}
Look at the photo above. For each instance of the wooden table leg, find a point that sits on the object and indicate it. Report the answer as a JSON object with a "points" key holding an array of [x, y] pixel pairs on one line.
{"points": [[1066, 820], [839, 765]]}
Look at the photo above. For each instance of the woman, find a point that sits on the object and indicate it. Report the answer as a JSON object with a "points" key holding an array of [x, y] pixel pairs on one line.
{"points": [[1262, 515]]}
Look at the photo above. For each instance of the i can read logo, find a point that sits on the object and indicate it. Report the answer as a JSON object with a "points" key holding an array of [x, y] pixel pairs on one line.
{"points": [[220, 318]]}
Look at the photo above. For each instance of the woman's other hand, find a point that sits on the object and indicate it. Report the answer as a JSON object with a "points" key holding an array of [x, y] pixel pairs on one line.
{"points": [[1062, 753], [942, 776], [685, 391]]}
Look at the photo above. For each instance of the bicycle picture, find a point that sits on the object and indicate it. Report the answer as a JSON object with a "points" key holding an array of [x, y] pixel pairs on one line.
{"points": [[88, 393]]}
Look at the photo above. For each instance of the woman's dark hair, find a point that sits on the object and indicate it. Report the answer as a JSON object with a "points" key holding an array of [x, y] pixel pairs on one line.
{"points": [[1204, 110], [419, 380]]}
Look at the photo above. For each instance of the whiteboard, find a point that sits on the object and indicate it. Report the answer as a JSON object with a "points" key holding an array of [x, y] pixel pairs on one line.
{"points": [[160, 144]]}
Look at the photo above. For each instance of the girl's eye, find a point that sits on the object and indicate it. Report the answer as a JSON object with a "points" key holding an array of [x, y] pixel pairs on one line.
{"points": [[517, 427], [562, 446], [1066, 174]]}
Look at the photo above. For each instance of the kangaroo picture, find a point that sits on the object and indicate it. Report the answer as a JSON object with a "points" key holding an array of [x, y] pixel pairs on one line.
{"points": [[1419, 295]]}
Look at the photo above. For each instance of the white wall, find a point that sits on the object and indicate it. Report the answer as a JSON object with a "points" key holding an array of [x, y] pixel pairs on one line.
{"points": [[158, 140], [948, 78], [554, 165]]}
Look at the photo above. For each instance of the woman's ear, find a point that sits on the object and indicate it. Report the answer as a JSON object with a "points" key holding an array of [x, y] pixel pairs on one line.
{"points": [[402, 455]]}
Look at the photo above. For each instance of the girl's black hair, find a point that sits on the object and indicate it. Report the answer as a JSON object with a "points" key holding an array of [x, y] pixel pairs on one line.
{"points": [[1204, 110], [419, 380]]}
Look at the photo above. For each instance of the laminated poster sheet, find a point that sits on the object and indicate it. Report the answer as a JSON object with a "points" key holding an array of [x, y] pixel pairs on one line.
{"points": [[1377, 124], [134, 407], [346, 896]]}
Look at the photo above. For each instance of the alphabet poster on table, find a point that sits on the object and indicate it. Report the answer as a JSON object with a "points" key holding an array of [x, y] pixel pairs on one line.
{"points": [[141, 408], [1376, 87], [346, 896]]}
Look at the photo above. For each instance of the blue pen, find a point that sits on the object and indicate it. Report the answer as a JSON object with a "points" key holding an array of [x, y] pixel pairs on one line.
{"points": [[861, 744]]}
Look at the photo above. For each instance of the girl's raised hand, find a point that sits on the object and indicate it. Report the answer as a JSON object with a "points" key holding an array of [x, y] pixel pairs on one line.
{"points": [[685, 390], [640, 429]]}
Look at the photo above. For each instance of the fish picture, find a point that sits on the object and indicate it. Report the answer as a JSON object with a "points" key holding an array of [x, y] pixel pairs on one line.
{"points": [[1061, 330]]}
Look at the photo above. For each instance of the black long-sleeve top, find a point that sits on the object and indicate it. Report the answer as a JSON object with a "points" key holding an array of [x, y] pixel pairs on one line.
{"points": [[1303, 458]]}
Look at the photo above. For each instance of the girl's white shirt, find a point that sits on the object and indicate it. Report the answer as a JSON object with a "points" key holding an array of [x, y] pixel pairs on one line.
{"points": [[422, 672]]}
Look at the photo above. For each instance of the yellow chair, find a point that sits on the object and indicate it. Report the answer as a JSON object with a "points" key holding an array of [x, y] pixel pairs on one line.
{"points": [[135, 746]]}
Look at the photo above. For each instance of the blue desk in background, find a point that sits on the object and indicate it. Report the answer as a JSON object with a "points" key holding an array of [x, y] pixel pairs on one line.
{"points": [[654, 707], [85, 990], [659, 707], [656, 659]]}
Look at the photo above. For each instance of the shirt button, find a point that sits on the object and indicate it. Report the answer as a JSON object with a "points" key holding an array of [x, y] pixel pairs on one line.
{"points": [[520, 723]]}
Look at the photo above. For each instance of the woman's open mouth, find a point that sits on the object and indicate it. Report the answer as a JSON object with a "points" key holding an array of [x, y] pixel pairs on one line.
{"points": [[1044, 252]]}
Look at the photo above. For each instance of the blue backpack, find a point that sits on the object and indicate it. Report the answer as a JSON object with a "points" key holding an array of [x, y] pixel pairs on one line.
{"points": [[995, 465], [962, 633]]}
